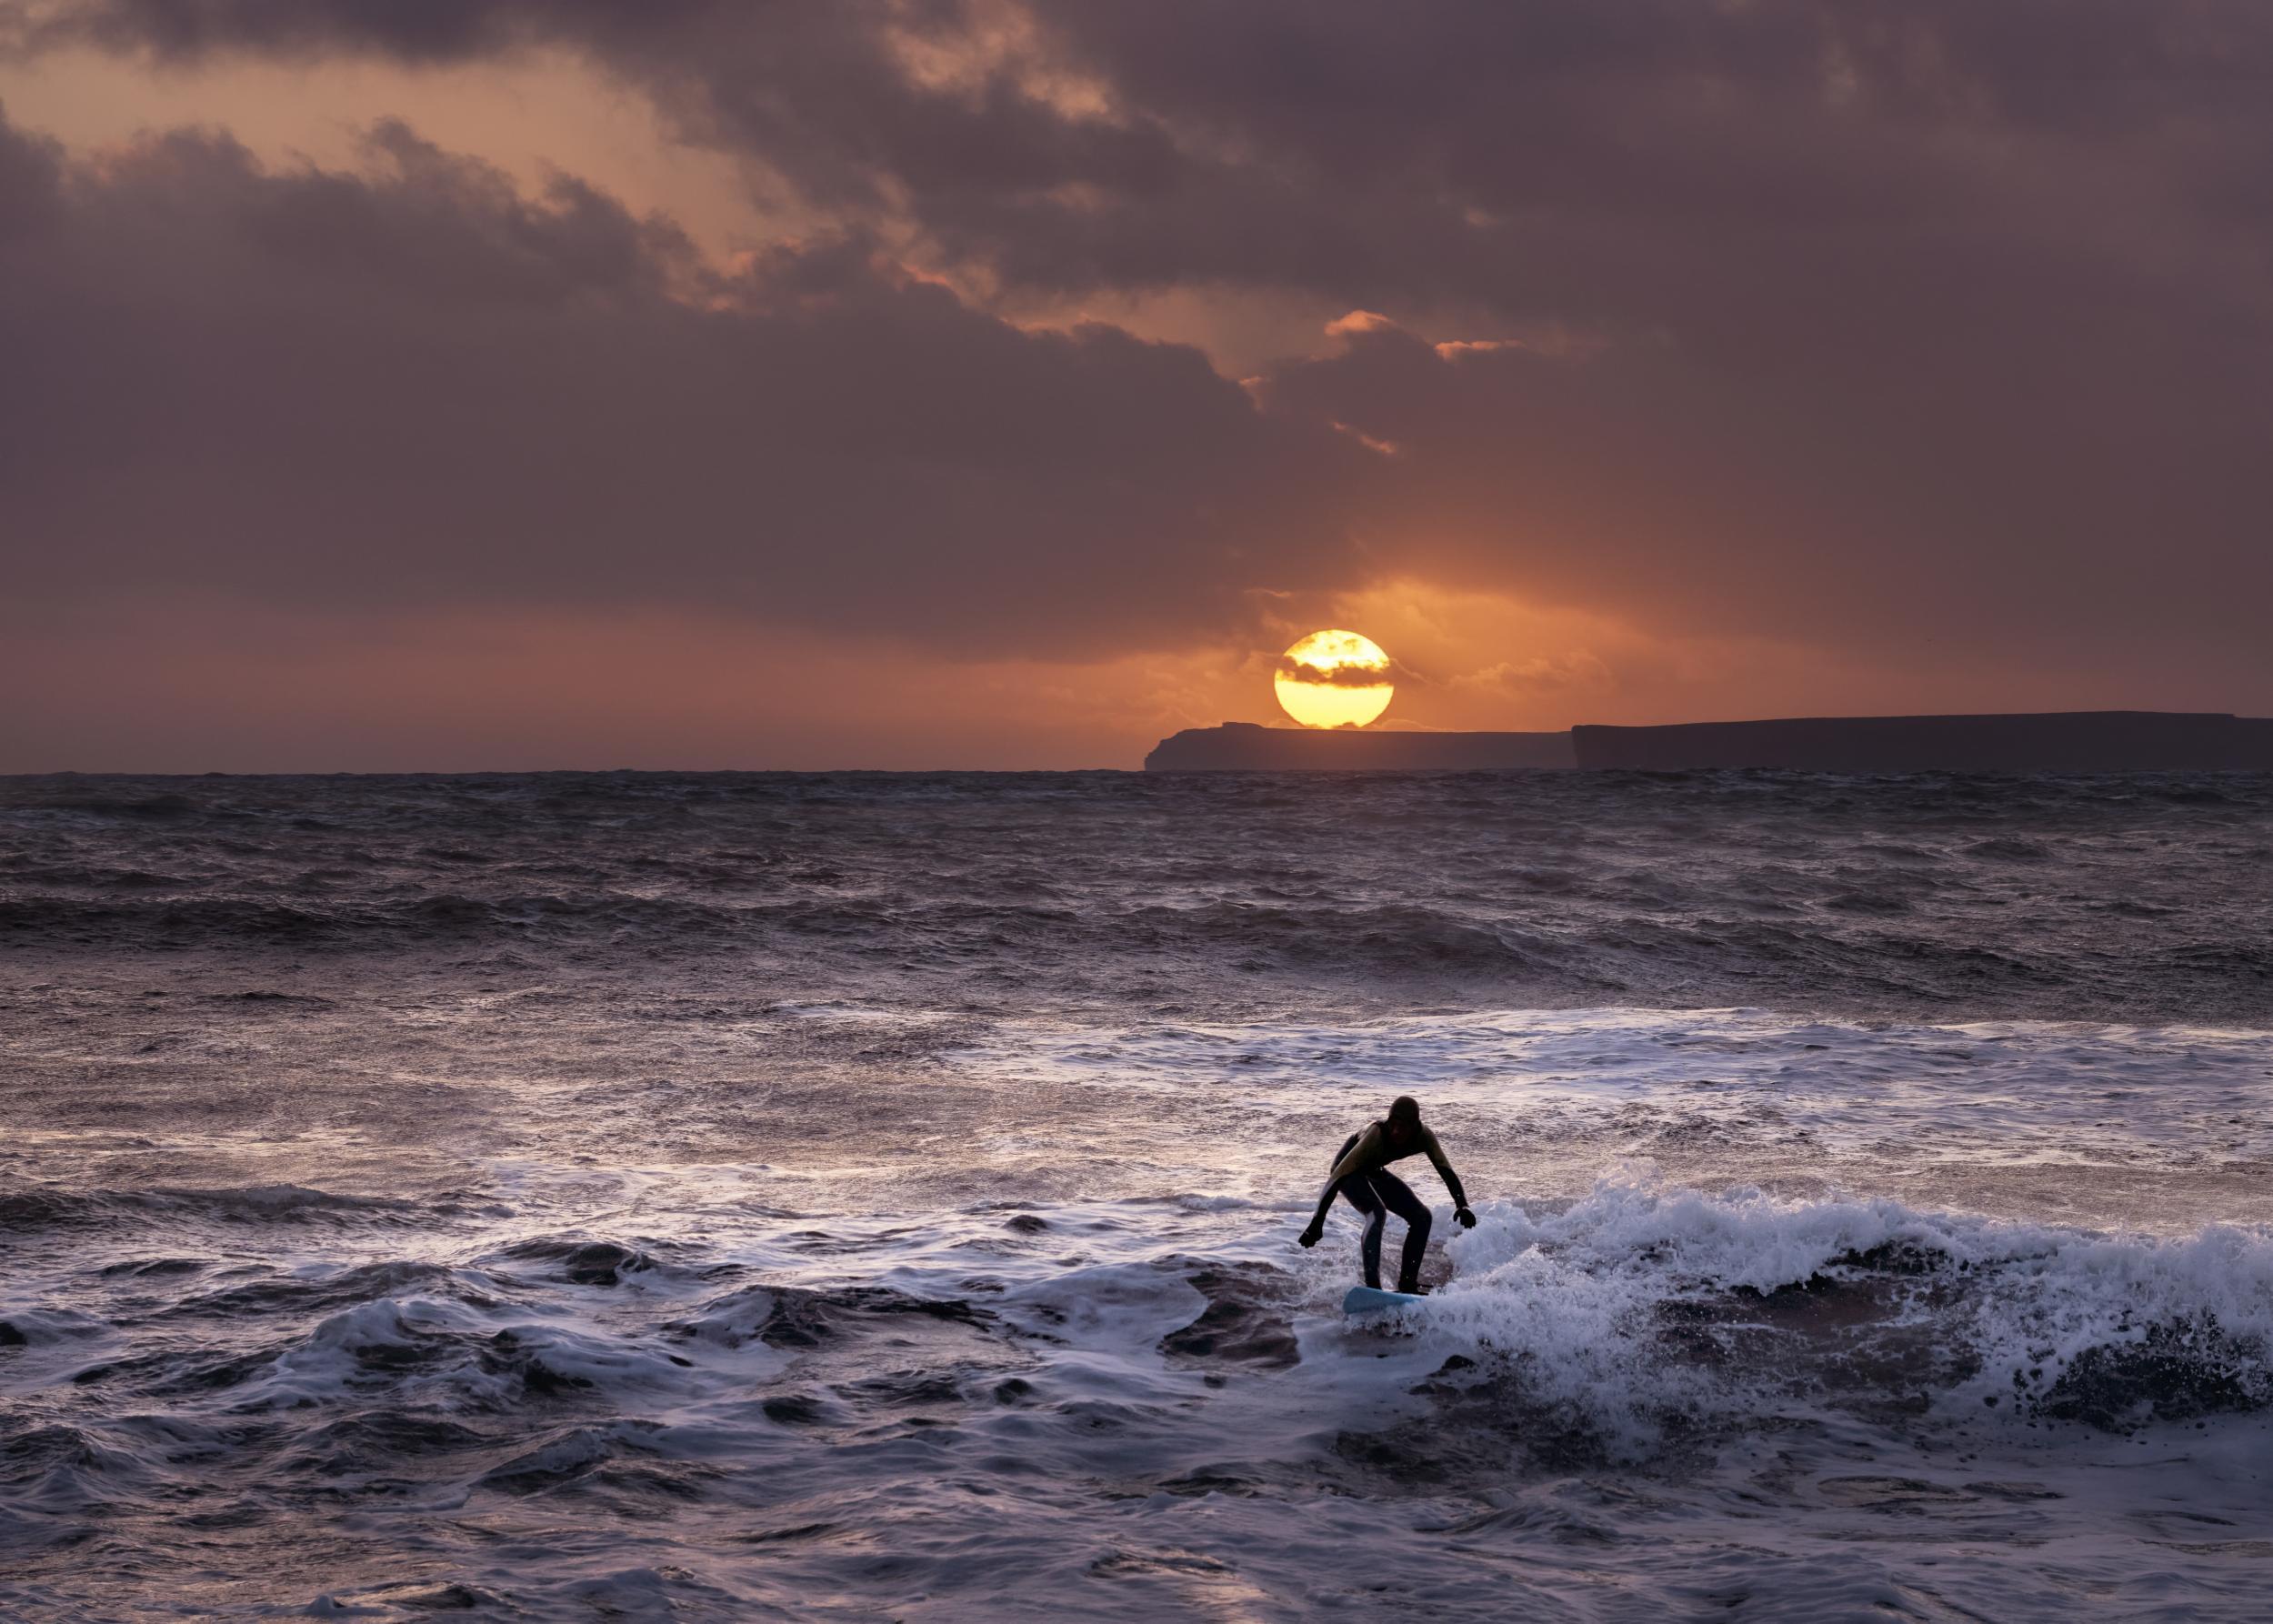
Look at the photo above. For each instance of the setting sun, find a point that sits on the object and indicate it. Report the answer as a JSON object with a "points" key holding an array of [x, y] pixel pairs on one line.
{"points": [[1334, 679]]}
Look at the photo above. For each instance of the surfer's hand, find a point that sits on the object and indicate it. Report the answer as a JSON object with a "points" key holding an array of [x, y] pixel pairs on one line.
{"points": [[1465, 1218], [1310, 1236]]}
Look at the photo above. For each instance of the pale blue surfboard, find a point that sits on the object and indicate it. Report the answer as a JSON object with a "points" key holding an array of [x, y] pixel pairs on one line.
{"points": [[1369, 1299]]}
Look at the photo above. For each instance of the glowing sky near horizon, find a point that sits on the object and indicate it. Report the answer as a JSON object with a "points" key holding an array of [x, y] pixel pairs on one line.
{"points": [[1005, 384]]}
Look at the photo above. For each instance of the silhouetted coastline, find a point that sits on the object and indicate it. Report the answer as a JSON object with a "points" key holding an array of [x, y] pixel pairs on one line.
{"points": [[1244, 746], [2095, 741]]}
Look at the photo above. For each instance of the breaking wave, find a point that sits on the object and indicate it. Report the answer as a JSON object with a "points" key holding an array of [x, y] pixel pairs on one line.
{"points": [[1640, 1309]]}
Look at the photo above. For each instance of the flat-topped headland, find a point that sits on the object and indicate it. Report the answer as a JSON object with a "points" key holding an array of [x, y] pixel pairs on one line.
{"points": [[2082, 741], [1246, 746]]}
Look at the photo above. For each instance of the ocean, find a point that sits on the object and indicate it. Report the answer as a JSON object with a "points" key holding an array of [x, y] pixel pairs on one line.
{"points": [[867, 1197]]}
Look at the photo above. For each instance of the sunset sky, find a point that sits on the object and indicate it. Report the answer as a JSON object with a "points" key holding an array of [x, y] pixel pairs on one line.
{"points": [[463, 384]]}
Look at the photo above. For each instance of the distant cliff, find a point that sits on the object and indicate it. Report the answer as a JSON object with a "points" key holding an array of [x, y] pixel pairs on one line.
{"points": [[2081, 741], [2093, 741], [1244, 746]]}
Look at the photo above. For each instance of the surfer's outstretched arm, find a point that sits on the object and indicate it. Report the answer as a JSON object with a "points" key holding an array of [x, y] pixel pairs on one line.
{"points": [[1452, 1181], [1317, 1220], [1353, 1159]]}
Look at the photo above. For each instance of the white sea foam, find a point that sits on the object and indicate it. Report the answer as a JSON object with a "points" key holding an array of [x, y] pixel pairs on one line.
{"points": [[1586, 1303]]}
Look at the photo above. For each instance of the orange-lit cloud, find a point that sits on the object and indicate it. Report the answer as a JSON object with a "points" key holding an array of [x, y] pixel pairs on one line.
{"points": [[1332, 676]]}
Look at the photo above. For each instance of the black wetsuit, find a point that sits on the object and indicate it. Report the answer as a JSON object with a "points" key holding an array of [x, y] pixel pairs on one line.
{"points": [[1377, 1192]]}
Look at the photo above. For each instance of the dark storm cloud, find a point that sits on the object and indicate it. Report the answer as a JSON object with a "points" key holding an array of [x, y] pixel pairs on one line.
{"points": [[1881, 322], [2054, 511], [419, 385], [1521, 154]]}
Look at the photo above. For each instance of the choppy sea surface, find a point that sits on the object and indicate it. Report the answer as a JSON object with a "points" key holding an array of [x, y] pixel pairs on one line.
{"points": [[873, 1196]]}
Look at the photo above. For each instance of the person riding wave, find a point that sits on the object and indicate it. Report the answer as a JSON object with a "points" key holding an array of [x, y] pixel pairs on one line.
{"points": [[1361, 1174]]}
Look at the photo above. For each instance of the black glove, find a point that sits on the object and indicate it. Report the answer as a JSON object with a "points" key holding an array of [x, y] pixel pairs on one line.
{"points": [[1309, 1237], [1465, 1218]]}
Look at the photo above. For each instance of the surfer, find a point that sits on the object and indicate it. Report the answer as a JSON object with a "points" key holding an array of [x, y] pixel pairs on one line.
{"points": [[1361, 1173]]}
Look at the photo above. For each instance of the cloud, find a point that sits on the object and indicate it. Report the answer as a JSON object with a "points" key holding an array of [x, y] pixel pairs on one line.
{"points": [[31, 182], [2086, 504], [1913, 317], [416, 384], [1610, 163], [1332, 676]]}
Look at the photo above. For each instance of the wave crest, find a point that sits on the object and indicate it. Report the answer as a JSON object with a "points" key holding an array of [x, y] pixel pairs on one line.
{"points": [[1640, 1310]]}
